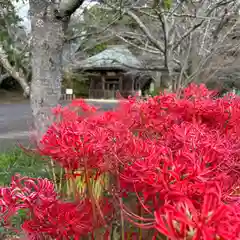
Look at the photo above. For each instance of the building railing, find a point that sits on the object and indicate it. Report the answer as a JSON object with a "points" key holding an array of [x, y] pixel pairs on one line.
{"points": [[110, 94], [67, 97], [103, 94]]}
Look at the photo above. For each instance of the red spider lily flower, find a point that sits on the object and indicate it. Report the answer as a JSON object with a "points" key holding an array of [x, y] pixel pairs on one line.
{"points": [[179, 219], [72, 144], [64, 114], [9, 205], [47, 215], [67, 220], [24, 193], [166, 151], [61, 220], [31, 190], [80, 103], [196, 91], [90, 142]]}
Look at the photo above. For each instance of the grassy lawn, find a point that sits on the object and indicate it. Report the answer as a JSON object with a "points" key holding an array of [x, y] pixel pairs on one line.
{"points": [[18, 161]]}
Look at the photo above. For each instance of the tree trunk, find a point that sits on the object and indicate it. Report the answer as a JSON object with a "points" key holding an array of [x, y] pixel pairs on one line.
{"points": [[47, 47], [194, 58], [166, 80]]}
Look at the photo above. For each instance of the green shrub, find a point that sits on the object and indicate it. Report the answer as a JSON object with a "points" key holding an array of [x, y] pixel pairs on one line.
{"points": [[78, 82]]}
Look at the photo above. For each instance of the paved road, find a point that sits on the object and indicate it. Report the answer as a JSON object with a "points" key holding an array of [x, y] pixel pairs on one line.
{"points": [[15, 122]]}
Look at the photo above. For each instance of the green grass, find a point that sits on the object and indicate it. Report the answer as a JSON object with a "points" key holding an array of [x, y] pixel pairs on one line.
{"points": [[26, 164], [19, 161]]}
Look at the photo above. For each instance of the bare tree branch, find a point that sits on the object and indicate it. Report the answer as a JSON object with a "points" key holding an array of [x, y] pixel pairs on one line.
{"points": [[185, 65], [141, 25], [17, 75], [135, 45], [92, 33], [182, 37], [217, 5], [186, 35], [204, 60], [164, 24]]}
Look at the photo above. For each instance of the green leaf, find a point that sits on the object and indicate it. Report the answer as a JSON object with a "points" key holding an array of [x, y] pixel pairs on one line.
{"points": [[167, 4]]}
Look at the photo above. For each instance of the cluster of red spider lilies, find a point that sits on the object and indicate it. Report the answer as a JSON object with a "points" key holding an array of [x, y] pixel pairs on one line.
{"points": [[167, 167]]}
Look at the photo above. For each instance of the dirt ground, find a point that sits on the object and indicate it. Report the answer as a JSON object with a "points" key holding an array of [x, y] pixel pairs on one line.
{"points": [[7, 97]]}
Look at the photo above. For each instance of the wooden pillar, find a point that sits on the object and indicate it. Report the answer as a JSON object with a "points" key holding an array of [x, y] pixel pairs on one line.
{"points": [[133, 84], [121, 83], [103, 84], [91, 88]]}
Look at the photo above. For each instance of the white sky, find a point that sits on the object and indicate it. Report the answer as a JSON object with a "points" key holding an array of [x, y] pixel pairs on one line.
{"points": [[22, 8]]}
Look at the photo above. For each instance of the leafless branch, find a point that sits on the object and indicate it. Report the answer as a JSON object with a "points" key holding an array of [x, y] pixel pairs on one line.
{"points": [[175, 45], [185, 64], [93, 33], [164, 24], [136, 46], [217, 5], [204, 61], [182, 36], [17, 75], [141, 25]]}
